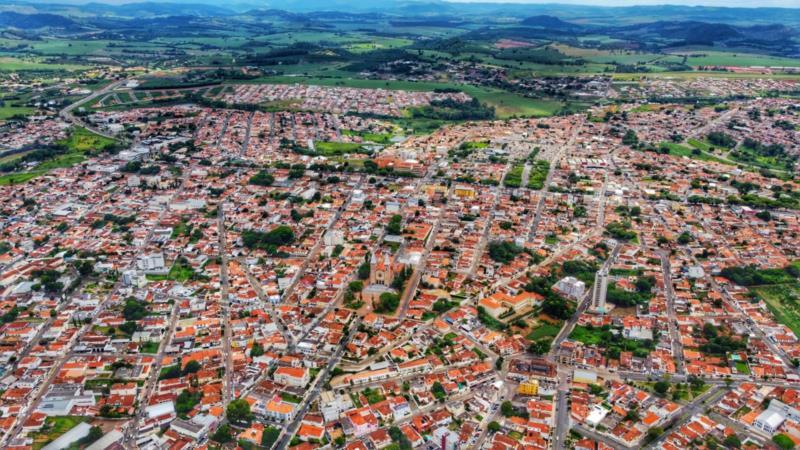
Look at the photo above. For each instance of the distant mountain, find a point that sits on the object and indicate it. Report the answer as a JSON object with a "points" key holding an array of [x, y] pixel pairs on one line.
{"points": [[152, 9], [549, 22], [699, 32], [10, 19]]}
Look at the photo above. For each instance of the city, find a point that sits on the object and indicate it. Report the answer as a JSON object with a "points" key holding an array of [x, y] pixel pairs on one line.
{"points": [[272, 265]]}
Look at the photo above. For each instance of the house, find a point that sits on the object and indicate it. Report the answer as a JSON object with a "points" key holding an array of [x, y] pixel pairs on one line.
{"points": [[360, 421], [292, 376]]}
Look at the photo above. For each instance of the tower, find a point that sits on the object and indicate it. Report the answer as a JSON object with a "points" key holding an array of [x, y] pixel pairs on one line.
{"points": [[599, 291]]}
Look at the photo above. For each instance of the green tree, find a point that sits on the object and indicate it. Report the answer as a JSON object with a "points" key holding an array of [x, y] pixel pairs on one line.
{"points": [[262, 178], [191, 367], [661, 388], [732, 441], [238, 412], [507, 409], [783, 441], [223, 434]]}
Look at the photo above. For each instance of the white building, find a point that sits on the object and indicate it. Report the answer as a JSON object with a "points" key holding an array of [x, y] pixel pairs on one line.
{"points": [[571, 287]]}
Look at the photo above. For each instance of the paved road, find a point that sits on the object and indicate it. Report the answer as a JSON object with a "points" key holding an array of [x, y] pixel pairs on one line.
{"points": [[316, 389], [672, 318], [68, 116], [696, 406], [131, 433], [559, 152], [227, 382]]}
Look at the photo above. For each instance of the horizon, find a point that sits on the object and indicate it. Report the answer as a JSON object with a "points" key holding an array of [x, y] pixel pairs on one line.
{"points": [[726, 4]]}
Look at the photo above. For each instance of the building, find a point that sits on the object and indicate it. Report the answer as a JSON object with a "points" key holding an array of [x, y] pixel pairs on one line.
{"points": [[279, 410], [571, 287], [332, 405], [381, 269], [292, 376], [152, 264], [72, 436], [529, 387], [599, 291], [445, 438], [769, 421]]}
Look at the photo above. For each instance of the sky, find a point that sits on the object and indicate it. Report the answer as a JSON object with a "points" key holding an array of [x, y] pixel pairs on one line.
{"points": [[722, 3]]}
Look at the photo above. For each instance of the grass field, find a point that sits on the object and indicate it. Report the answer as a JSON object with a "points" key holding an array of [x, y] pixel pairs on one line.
{"points": [[697, 153], [53, 428], [544, 330], [80, 142], [9, 64], [10, 111], [83, 140], [336, 148], [701, 57], [784, 302]]}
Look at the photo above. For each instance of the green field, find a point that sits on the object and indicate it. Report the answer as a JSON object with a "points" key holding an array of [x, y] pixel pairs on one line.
{"points": [[697, 152], [10, 111], [784, 302], [9, 64], [513, 177], [80, 143], [378, 138], [544, 330], [702, 57], [336, 148], [83, 140], [53, 428]]}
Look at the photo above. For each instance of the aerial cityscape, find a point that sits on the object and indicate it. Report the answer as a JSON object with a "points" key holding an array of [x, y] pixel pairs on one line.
{"points": [[399, 225]]}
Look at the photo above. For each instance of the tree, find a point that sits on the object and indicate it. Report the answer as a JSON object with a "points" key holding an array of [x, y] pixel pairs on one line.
{"points": [[399, 438], [223, 434], [732, 441], [262, 178], [684, 238], [187, 400], [395, 225], [661, 388], [504, 251], [438, 391], [783, 441], [540, 347], [134, 309], [128, 327], [556, 307], [238, 412], [630, 138], [191, 367], [654, 433], [494, 427], [364, 270], [257, 350], [387, 303], [95, 433]]}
